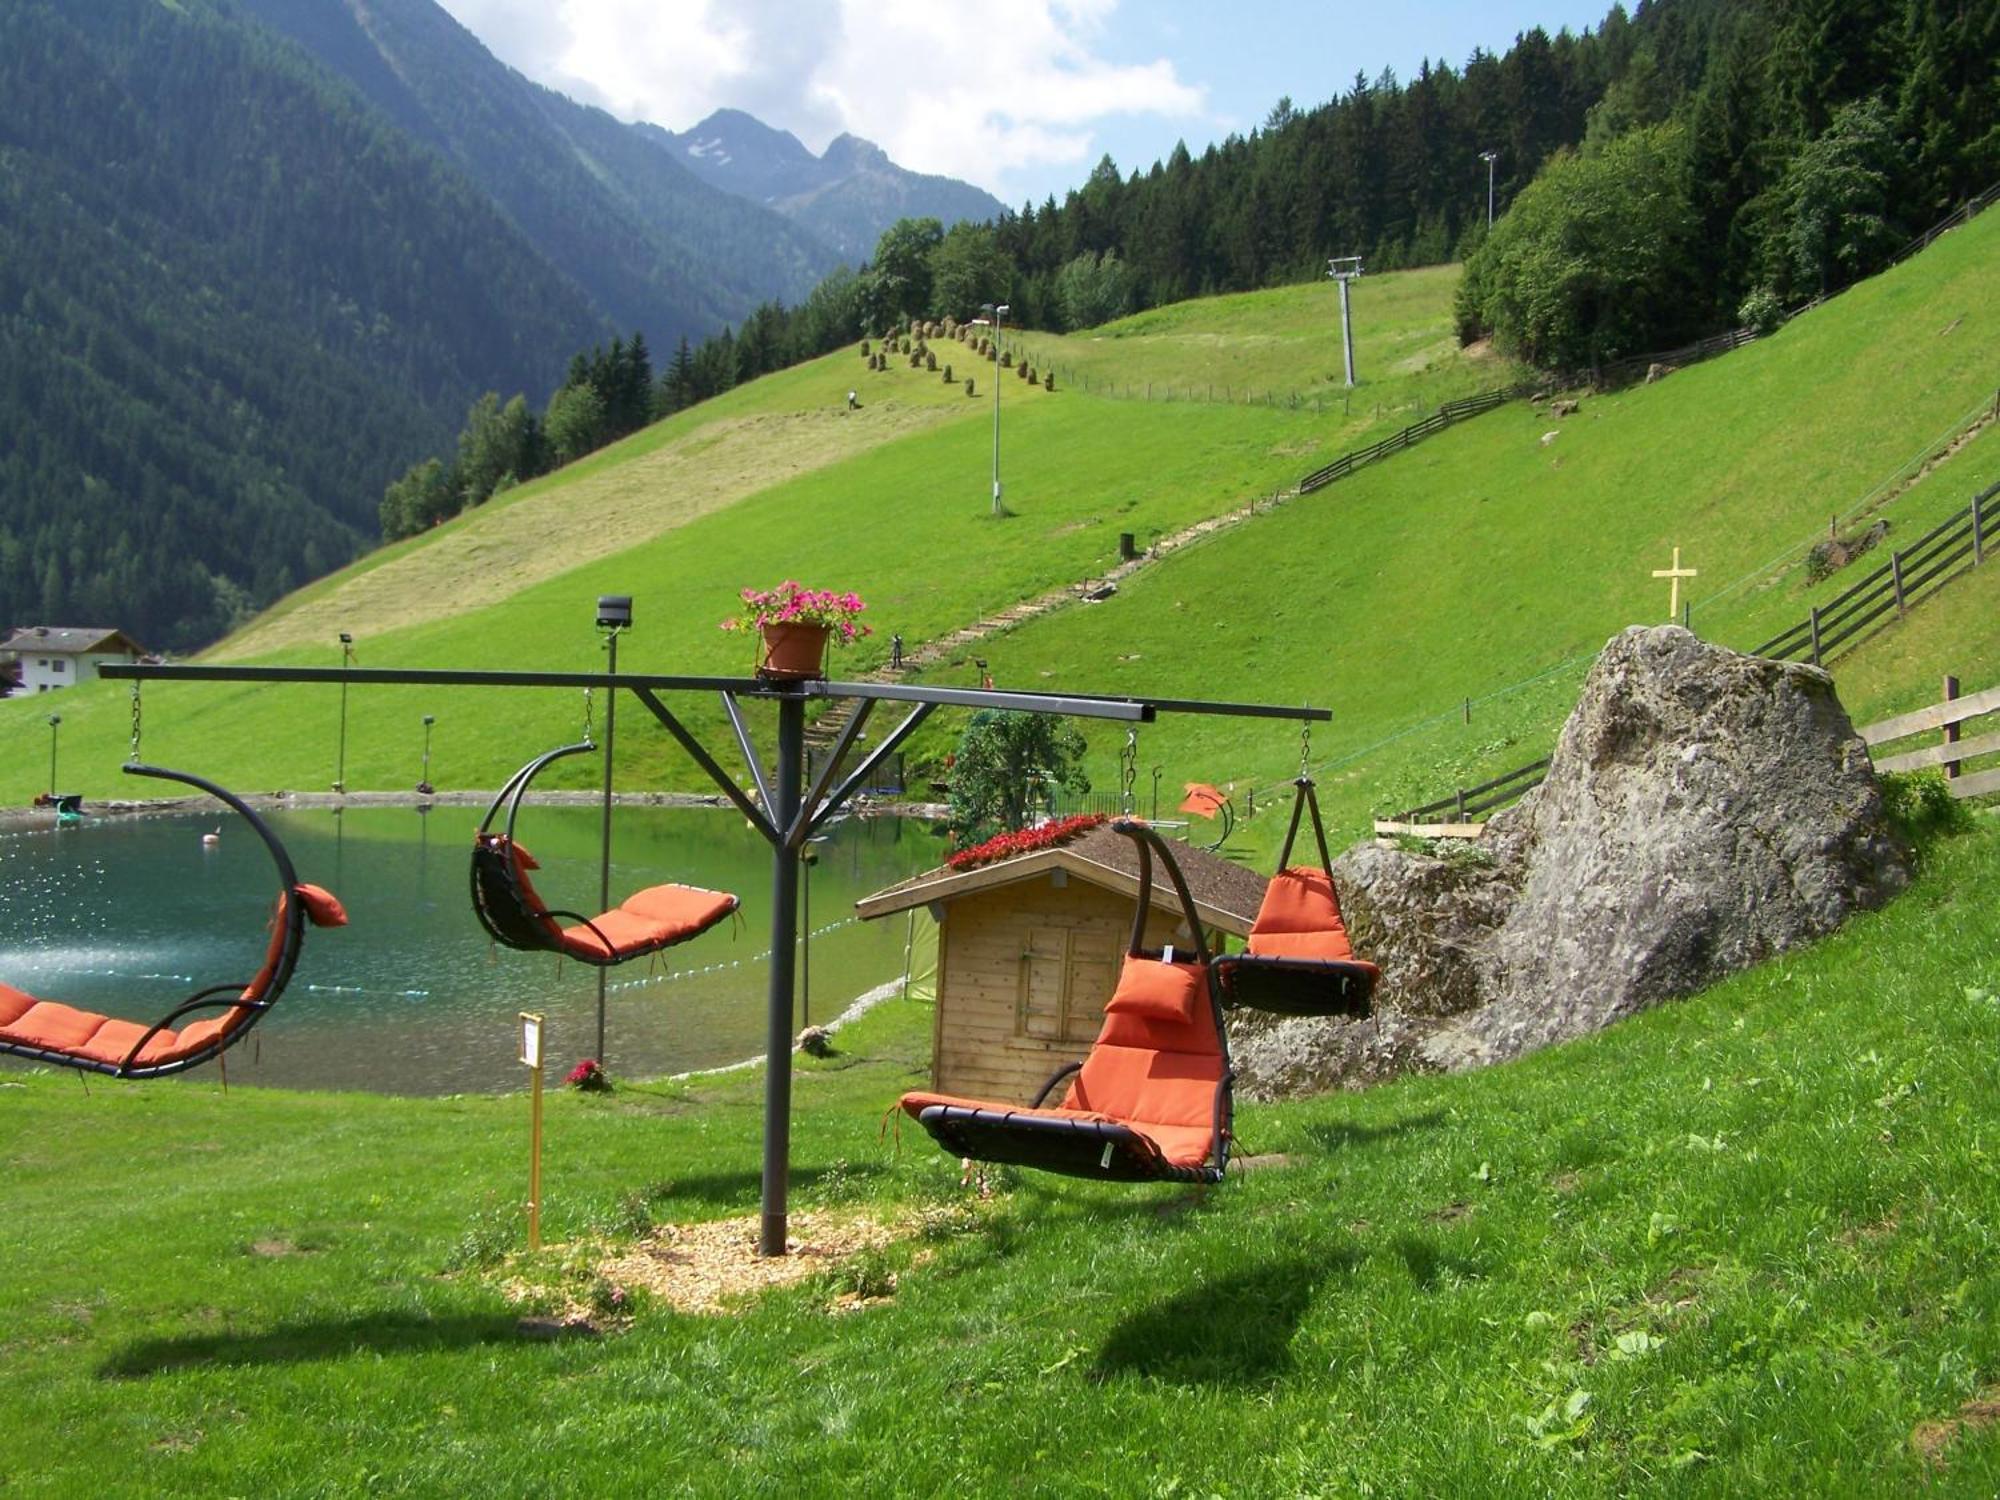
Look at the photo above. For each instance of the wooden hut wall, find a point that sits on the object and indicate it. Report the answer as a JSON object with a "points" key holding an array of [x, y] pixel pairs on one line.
{"points": [[1024, 971]]}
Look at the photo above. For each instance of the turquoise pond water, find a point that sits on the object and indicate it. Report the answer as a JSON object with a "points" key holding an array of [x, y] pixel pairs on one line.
{"points": [[130, 915]]}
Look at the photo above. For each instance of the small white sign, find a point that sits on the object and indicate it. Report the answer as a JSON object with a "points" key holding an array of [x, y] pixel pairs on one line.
{"points": [[531, 1040]]}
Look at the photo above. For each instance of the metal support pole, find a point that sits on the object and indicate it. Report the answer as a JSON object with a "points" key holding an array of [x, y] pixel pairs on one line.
{"points": [[55, 728], [1346, 332], [340, 757], [604, 844], [784, 958]]}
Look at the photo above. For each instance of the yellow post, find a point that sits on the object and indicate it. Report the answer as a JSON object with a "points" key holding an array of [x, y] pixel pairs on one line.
{"points": [[531, 1057]]}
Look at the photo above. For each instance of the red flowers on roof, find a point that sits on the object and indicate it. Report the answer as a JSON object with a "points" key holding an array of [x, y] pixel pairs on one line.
{"points": [[1026, 841]]}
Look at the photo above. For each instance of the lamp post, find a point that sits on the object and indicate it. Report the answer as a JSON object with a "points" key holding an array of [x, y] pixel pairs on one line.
{"points": [[340, 761], [424, 787], [997, 311], [1343, 269], [614, 616], [55, 724], [1489, 157]]}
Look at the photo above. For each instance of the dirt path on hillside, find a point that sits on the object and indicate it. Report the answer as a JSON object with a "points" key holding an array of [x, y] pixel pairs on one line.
{"points": [[503, 549]]}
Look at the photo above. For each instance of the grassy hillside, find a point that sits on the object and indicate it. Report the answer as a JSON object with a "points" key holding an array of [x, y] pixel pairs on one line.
{"points": [[1484, 559], [1489, 558], [1739, 1245]]}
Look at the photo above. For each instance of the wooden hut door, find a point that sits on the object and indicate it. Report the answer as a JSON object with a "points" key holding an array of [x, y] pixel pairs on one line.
{"points": [[1066, 977]]}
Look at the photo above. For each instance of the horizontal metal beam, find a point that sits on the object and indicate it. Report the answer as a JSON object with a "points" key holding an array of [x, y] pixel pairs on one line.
{"points": [[1085, 707], [1138, 708], [435, 677]]}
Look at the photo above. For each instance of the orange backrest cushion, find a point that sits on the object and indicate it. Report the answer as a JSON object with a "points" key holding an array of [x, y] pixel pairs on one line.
{"points": [[1300, 901], [1149, 1070], [13, 1004], [322, 906], [1156, 991]]}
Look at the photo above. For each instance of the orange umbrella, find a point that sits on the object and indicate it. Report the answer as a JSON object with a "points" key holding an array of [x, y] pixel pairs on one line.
{"points": [[1203, 800]]}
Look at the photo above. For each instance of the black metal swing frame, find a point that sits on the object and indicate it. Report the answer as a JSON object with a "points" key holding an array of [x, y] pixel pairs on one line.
{"points": [[1298, 986], [786, 813], [1103, 1150], [292, 916]]}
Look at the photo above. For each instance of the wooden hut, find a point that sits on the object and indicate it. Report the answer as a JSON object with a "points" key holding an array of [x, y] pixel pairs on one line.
{"points": [[1029, 948]]}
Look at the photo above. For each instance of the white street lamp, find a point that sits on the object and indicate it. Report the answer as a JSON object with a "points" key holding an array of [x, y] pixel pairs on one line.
{"points": [[998, 312], [1489, 157]]}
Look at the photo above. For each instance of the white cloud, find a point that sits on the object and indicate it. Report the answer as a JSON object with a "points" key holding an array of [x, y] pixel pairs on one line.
{"points": [[988, 94]]}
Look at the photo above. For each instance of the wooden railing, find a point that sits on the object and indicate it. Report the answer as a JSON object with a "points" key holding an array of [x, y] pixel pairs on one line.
{"points": [[1951, 752], [1955, 544], [1452, 817]]}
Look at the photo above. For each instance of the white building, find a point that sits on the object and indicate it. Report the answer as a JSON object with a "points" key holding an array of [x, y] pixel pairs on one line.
{"points": [[54, 656]]}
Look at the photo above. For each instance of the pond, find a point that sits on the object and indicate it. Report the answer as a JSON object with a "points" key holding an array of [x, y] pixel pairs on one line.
{"points": [[130, 915]]}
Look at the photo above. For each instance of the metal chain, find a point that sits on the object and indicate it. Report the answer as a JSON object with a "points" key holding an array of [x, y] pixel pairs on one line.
{"points": [[589, 727], [134, 759], [1305, 750], [1128, 772]]}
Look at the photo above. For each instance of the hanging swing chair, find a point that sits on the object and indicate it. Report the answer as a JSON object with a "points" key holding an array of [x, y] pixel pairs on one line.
{"points": [[48, 1031], [515, 915], [1299, 960], [1151, 1102]]}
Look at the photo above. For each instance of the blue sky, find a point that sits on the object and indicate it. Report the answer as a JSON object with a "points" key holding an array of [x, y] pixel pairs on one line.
{"points": [[1021, 97]]}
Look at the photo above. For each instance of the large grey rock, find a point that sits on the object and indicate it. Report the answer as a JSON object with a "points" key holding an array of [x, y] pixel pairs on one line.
{"points": [[1703, 810]]}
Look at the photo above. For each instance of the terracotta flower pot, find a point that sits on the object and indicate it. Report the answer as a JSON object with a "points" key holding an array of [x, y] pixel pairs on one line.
{"points": [[793, 653]]}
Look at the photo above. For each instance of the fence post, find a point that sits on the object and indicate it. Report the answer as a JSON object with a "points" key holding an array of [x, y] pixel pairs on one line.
{"points": [[1896, 577], [1950, 730], [1459, 798], [1813, 620], [1978, 542]]}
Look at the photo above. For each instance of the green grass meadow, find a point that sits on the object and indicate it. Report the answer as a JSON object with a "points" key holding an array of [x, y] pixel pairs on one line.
{"points": [[1743, 1244]]}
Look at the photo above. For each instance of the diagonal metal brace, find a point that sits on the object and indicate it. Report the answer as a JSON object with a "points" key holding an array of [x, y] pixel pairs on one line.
{"points": [[749, 749], [707, 762], [795, 836], [821, 811]]}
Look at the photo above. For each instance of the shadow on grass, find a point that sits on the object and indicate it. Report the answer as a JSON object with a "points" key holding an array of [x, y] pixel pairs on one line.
{"points": [[742, 1189], [1429, 1262], [1333, 1134], [300, 1343], [1233, 1332]]}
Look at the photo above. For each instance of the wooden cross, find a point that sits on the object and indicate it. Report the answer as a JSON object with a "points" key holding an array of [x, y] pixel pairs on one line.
{"points": [[1676, 573]]}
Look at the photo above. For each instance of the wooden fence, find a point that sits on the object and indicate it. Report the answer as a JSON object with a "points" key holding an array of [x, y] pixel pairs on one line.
{"points": [[1922, 568], [1943, 718], [1463, 806], [1416, 432]]}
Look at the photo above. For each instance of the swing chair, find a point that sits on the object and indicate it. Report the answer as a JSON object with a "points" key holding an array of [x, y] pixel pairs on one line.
{"points": [[1299, 960], [49, 1031], [1151, 1102], [513, 912]]}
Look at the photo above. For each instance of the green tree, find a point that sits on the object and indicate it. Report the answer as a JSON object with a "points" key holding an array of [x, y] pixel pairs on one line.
{"points": [[897, 284], [1834, 201], [575, 422], [966, 270], [1593, 260], [1003, 761], [498, 444], [426, 494]]}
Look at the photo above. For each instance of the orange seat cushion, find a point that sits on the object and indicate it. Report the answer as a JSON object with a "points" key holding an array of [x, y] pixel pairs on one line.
{"points": [[1155, 1073], [1300, 918], [657, 917]]}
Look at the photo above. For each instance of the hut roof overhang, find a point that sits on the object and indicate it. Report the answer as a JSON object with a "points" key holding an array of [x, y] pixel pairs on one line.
{"points": [[1225, 894]]}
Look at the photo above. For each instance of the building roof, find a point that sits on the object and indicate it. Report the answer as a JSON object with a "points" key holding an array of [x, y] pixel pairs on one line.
{"points": [[71, 640], [1226, 895]]}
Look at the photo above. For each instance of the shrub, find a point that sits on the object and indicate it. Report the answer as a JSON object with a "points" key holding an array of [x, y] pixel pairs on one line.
{"points": [[968, 386], [947, 374], [1921, 807], [1761, 311], [1049, 380], [930, 361]]}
